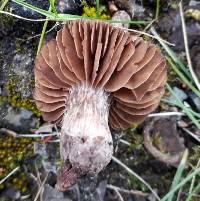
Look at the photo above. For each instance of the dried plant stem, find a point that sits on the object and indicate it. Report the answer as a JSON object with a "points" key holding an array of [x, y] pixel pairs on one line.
{"points": [[10, 174], [149, 25], [132, 192], [116, 189], [41, 187], [191, 134], [125, 142], [163, 114], [187, 47], [146, 34], [136, 175], [37, 35]]}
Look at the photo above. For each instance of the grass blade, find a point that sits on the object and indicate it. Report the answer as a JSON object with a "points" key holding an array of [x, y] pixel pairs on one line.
{"points": [[178, 105], [171, 53], [190, 115], [3, 4], [53, 8], [183, 78], [97, 9], [136, 175], [181, 184], [36, 9], [179, 173]]}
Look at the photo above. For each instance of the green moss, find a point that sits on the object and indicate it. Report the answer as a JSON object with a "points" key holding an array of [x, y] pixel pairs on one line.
{"points": [[15, 99], [12, 152], [194, 155]]}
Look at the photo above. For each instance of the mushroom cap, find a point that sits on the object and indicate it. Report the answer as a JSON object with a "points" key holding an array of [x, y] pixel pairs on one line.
{"points": [[132, 70]]}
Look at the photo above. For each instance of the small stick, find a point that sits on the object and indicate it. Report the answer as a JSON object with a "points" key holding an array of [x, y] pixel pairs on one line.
{"points": [[116, 191], [8, 132], [37, 35], [163, 114], [11, 173], [144, 33], [187, 47], [41, 187], [124, 142], [133, 192], [191, 134]]}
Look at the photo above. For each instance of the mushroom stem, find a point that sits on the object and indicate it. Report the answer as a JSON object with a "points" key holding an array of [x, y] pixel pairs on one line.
{"points": [[86, 141]]}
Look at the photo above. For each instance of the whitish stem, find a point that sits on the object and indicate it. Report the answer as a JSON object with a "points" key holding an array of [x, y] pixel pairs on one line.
{"points": [[85, 141]]}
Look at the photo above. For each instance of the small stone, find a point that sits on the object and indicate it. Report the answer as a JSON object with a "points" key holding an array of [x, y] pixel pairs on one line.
{"points": [[194, 3], [121, 16], [17, 119], [51, 194], [180, 93], [48, 166], [182, 124], [40, 148], [100, 191], [195, 100], [112, 7], [12, 193]]}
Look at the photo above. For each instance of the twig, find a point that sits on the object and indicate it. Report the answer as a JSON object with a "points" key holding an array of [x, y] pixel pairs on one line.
{"points": [[163, 114], [35, 179], [116, 189], [37, 135], [37, 35], [124, 142], [191, 134], [41, 187], [146, 34], [11, 173], [149, 25], [187, 47], [136, 175], [133, 192], [8, 132]]}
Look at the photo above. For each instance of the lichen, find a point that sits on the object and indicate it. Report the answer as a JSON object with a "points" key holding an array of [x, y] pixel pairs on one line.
{"points": [[89, 11], [15, 99]]}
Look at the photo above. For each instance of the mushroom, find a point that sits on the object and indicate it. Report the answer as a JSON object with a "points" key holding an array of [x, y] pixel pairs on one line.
{"points": [[91, 77]]}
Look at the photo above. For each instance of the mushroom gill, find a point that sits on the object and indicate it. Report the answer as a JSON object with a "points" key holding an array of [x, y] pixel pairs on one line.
{"points": [[94, 74]]}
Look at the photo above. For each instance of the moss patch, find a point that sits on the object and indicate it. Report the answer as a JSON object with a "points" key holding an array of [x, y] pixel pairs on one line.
{"points": [[12, 151], [15, 99]]}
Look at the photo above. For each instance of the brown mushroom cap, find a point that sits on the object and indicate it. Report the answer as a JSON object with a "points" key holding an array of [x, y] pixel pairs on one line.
{"points": [[132, 70]]}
